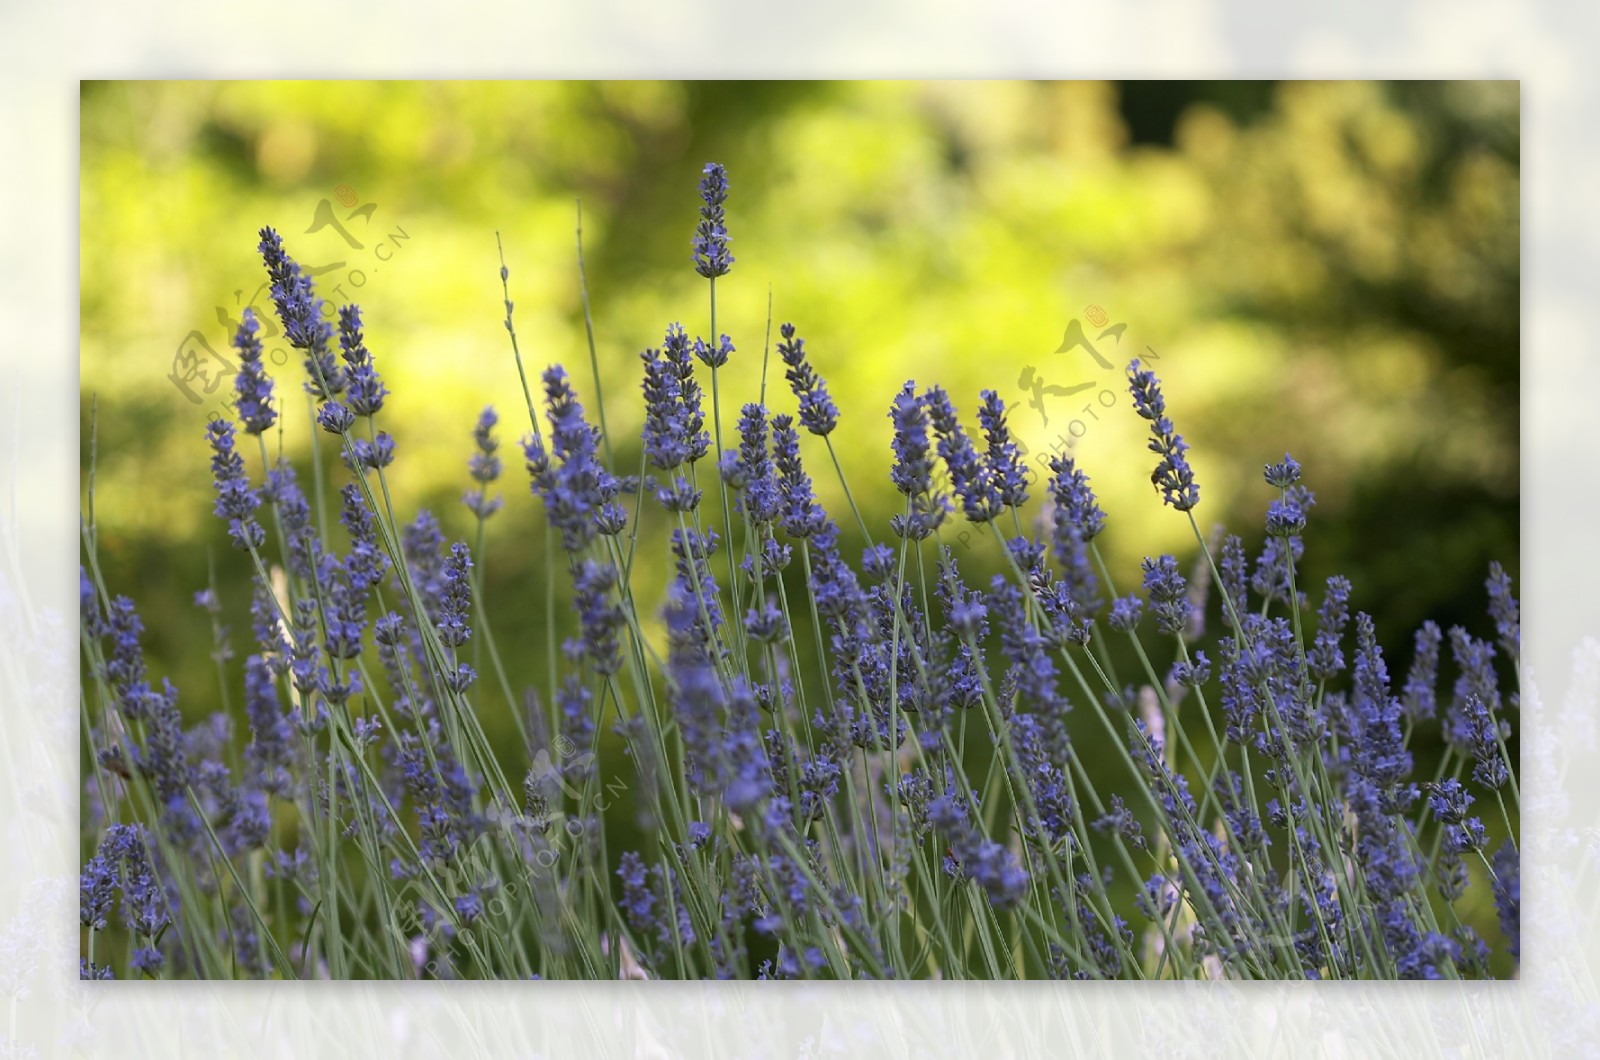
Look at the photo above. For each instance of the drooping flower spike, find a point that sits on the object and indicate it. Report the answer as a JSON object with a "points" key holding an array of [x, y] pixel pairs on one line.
{"points": [[818, 414], [1172, 476]]}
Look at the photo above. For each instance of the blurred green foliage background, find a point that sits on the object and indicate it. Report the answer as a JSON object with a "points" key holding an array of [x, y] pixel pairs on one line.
{"points": [[1327, 268]]}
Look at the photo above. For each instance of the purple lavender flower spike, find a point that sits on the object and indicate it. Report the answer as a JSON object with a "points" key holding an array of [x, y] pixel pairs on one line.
{"points": [[970, 477], [1172, 476], [252, 386], [1004, 459], [711, 257], [818, 413], [365, 389], [484, 466], [300, 310], [236, 500]]}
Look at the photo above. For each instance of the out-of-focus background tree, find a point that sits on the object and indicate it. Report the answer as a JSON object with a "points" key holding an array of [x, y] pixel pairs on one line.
{"points": [[1328, 268]]}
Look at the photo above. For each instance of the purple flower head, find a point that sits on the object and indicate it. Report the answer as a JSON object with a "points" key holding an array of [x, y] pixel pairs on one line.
{"points": [[1420, 700], [1449, 801], [678, 494], [1234, 567], [1077, 511], [345, 620], [1472, 723], [713, 356], [818, 413], [1004, 458], [1377, 748], [1508, 894], [970, 477], [913, 460], [236, 500], [484, 466], [375, 454], [145, 907], [579, 494], [751, 469], [599, 617], [670, 423], [1172, 476], [441, 792], [638, 902], [270, 753], [252, 387], [469, 907], [1120, 820], [834, 587], [801, 516], [455, 597], [1285, 517], [1125, 613], [365, 390], [693, 612], [1504, 610], [1191, 674], [147, 961], [1168, 593], [678, 354], [1285, 474], [711, 257], [88, 970], [1326, 659], [300, 310], [1466, 835], [125, 669], [97, 890], [335, 417], [878, 562], [363, 569], [972, 856], [912, 474], [1271, 577]]}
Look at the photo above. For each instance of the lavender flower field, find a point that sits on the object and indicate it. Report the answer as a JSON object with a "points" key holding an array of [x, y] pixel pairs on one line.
{"points": [[828, 750]]}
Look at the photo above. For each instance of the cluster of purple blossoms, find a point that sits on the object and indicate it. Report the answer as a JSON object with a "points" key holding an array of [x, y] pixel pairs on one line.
{"points": [[300, 310], [749, 469], [800, 788], [818, 413], [237, 500], [1172, 477], [484, 466], [971, 856], [1325, 660], [800, 516], [252, 384], [1005, 466], [913, 468], [579, 494], [1168, 594], [971, 478], [711, 257]]}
